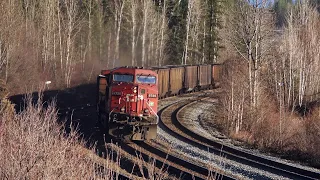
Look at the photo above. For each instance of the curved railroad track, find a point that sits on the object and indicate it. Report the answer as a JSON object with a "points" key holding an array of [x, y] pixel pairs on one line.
{"points": [[184, 167], [178, 168], [176, 128]]}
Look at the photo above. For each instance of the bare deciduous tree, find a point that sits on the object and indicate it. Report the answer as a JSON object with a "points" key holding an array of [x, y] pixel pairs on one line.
{"points": [[297, 76], [189, 14], [134, 24], [147, 5], [163, 37], [253, 26], [119, 5], [71, 25]]}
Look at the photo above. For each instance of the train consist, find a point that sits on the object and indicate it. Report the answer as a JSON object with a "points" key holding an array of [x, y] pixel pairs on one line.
{"points": [[127, 98]]}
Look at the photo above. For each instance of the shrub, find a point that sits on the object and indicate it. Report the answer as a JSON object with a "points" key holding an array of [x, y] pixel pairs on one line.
{"points": [[33, 146]]}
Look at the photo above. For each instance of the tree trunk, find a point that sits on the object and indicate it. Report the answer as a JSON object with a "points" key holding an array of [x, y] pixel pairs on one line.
{"points": [[118, 21], [60, 38], [163, 25], [185, 56], [134, 26], [144, 33], [109, 49]]}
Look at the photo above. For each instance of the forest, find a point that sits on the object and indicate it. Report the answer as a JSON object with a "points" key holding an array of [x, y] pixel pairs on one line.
{"points": [[56, 40], [270, 51]]}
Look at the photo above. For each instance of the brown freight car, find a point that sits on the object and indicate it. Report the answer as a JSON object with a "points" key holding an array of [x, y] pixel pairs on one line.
{"points": [[204, 75], [163, 81], [216, 74], [190, 78], [176, 80]]}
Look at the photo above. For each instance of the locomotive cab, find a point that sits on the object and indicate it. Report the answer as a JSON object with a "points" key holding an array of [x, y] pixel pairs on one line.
{"points": [[128, 109]]}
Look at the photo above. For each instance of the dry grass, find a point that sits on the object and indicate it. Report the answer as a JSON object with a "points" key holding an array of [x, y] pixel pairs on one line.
{"points": [[33, 146]]}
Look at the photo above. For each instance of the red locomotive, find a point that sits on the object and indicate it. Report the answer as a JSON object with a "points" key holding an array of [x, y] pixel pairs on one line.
{"points": [[127, 103], [128, 96]]}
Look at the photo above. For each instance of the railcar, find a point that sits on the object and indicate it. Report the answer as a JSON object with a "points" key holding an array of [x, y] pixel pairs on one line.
{"points": [[127, 103], [163, 81], [190, 78], [216, 74], [204, 76], [176, 80]]}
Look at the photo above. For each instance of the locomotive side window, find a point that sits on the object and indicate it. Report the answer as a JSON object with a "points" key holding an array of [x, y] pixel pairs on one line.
{"points": [[123, 78], [146, 79]]}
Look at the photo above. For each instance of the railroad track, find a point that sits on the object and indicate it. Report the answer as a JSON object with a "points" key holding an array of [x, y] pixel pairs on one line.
{"points": [[143, 156], [176, 165], [101, 163], [187, 135]]}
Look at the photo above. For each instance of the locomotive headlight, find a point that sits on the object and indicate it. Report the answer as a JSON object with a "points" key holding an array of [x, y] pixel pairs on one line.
{"points": [[122, 109], [146, 112], [135, 90]]}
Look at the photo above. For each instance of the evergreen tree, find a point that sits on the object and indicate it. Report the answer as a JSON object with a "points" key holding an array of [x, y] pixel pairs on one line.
{"points": [[176, 13], [281, 7], [316, 3], [213, 23], [177, 16]]}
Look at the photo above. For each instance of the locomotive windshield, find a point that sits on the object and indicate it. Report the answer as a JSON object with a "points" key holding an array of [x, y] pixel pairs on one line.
{"points": [[123, 77], [146, 79]]}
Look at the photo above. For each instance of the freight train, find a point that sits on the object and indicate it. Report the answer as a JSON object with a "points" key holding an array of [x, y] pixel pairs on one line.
{"points": [[127, 97]]}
